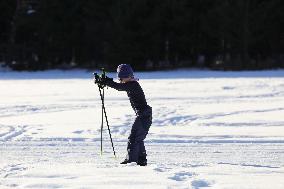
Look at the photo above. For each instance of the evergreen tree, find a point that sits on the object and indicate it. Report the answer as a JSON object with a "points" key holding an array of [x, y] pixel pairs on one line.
{"points": [[149, 34]]}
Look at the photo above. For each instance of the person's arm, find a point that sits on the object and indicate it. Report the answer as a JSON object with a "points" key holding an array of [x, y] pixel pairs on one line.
{"points": [[118, 86]]}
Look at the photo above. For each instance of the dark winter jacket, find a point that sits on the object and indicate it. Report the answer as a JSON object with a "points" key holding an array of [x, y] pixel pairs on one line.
{"points": [[135, 94]]}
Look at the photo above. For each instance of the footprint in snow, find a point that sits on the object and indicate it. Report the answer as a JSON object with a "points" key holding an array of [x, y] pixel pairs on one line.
{"points": [[199, 184], [181, 176]]}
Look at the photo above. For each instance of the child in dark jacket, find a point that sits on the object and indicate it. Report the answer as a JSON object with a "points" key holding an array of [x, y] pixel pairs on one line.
{"points": [[136, 149]]}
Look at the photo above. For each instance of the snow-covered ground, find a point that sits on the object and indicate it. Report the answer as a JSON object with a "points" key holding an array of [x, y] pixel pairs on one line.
{"points": [[210, 129]]}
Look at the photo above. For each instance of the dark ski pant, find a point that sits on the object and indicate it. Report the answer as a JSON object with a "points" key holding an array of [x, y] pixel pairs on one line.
{"points": [[136, 149]]}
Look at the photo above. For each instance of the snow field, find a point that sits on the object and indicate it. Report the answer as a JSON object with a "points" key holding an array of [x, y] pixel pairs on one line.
{"points": [[210, 130]]}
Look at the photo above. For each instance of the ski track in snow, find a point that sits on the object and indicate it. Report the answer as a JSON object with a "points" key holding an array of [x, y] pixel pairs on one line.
{"points": [[207, 132], [31, 109], [12, 133]]}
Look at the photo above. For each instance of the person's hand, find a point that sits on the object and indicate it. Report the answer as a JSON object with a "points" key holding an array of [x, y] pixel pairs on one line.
{"points": [[106, 79], [102, 81]]}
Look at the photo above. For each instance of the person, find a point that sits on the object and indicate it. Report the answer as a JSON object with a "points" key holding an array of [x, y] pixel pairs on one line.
{"points": [[135, 147]]}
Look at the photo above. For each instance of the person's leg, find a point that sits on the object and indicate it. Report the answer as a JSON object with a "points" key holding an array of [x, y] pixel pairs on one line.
{"points": [[136, 148], [142, 160], [142, 150], [130, 142], [135, 141], [146, 121]]}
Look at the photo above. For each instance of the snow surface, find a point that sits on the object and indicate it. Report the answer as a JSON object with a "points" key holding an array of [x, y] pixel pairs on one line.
{"points": [[210, 130]]}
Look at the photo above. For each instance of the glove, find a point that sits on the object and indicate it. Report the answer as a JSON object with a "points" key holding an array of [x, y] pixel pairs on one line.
{"points": [[101, 81], [105, 79]]}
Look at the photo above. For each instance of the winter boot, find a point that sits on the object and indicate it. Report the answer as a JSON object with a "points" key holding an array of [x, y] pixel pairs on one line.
{"points": [[125, 161]]}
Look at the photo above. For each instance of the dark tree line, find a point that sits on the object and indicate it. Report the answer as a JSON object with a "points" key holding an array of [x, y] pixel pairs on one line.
{"points": [[148, 34]]}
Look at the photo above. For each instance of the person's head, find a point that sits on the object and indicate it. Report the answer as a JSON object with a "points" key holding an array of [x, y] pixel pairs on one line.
{"points": [[125, 73]]}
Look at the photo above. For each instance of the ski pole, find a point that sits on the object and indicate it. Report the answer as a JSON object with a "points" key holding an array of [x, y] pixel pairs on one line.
{"points": [[108, 127], [101, 90], [102, 125]]}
